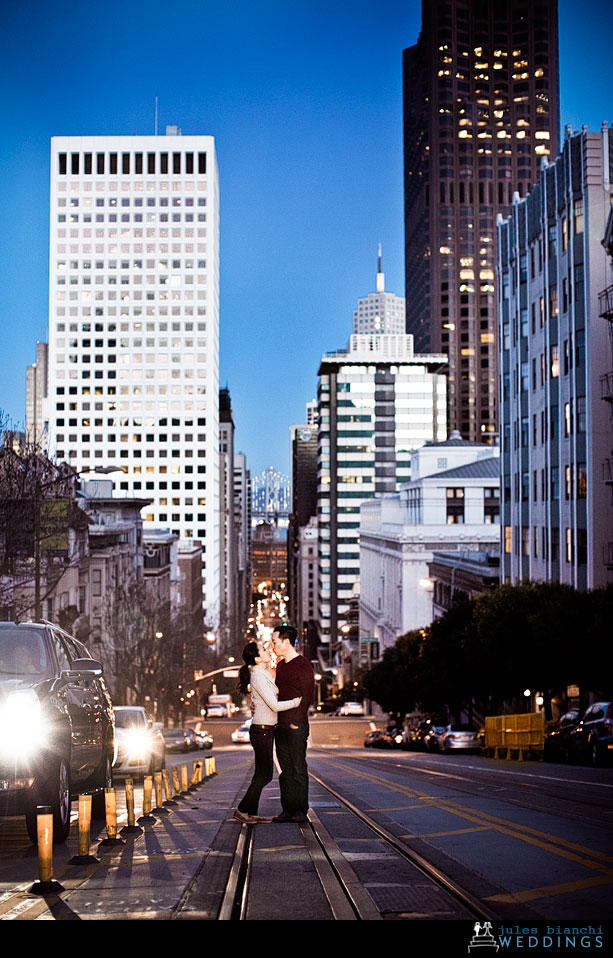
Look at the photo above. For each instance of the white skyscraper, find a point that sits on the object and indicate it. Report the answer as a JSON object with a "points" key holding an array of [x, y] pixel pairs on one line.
{"points": [[380, 312], [134, 324]]}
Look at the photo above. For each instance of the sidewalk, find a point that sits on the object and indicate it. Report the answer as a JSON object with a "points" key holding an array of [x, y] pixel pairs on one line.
{"points": [[178, 867]]}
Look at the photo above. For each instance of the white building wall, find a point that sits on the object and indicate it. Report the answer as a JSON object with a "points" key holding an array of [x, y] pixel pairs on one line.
{"points": [[134, 325]]}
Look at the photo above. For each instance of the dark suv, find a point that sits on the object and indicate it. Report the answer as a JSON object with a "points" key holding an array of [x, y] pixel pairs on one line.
{"points": [[56, 724], [592, 739]]}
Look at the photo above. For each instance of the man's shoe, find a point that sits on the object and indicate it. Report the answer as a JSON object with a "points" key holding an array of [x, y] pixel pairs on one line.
{"points": [[283, 817], [300, 818], [247, 819]]}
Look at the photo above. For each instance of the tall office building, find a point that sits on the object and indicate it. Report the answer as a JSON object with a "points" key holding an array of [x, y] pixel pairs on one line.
{"points": [[37, 378], [134, 324], [554, 357], [379, 312], [481, 110], [378, 402]]}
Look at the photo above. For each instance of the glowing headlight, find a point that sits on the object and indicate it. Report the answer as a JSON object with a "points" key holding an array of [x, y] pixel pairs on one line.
{"points": [[137, 743], [22, 726]]}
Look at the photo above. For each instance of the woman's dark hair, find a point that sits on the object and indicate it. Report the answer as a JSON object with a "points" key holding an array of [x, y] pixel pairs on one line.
{"points": [[250, 653]]}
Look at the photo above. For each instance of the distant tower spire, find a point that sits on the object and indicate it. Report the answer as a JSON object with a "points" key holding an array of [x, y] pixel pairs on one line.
{"points": [[380, 273]]}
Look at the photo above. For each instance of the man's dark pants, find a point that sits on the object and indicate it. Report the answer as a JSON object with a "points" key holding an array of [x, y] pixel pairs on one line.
{"points": [[291, 746]]}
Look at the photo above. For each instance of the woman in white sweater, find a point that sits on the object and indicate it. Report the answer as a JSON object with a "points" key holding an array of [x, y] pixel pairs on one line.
{"points": [[256, 673]]}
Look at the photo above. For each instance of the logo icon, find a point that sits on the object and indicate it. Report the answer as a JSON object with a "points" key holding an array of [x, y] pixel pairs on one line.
{"points": [[482, 938]]}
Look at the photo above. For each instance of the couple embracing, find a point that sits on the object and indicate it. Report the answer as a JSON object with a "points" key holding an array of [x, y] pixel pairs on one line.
{"points": [[280, 716]]}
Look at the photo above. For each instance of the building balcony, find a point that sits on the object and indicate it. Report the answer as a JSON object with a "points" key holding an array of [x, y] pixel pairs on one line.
{"points": [[605, 300], [606, 387]]}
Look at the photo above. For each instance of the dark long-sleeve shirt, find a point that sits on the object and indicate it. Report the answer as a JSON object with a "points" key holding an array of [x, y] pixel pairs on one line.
{"points": [[295, 678]]}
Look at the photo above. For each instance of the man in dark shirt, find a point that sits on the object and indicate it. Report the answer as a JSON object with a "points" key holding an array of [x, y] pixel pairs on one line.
{"points": [[294, 677]]}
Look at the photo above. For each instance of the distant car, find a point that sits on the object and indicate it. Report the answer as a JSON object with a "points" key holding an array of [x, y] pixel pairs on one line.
{"points": [[352, 708], [458, 738], [175, 740], [216, 711], [139, 743], [241, 734], [377, 738], [592, 739], [204, 739], [56, 724]]}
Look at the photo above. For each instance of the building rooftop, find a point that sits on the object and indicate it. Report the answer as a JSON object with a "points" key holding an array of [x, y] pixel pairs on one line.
{"points": [[481, 469]]}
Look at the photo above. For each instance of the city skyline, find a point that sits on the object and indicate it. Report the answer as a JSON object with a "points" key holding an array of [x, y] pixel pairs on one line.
{"points": [[310, 156]]}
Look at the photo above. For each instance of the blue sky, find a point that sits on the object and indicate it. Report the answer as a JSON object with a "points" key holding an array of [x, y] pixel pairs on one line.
{"points": [[305, 102]]}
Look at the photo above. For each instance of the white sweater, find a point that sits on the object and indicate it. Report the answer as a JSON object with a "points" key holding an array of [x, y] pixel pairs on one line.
{"points": [[264, 693]]}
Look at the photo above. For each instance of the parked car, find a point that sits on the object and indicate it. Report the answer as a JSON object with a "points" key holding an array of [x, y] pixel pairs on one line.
{"points": [[175, 740], [458, 738], [431, 735], [139, 742], [216, 711], [240, 735], [56, 724], [592, 739], [557, 736]]}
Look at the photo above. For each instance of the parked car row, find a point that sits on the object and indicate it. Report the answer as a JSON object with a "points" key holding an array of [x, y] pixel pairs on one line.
{"points": [[577, 737], [60, 735], [429, 735]]}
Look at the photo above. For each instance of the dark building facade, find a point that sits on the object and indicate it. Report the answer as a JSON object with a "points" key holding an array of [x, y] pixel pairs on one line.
{"points": [[481, 110], [302, 541]]}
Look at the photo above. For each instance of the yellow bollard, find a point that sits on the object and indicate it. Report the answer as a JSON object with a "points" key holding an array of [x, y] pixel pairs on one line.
{"points": [[130, 802], [175, 780], [200, 771], [110, 808], [184, 778], [147, 798], [147, 794], [85, 823], [44, 830], [210, 765], [131, 828], [167, 788], [194, 778], [158, 789]]}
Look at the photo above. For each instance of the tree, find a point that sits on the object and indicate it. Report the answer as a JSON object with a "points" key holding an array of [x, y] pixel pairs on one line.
{"points": [[41, 527]]}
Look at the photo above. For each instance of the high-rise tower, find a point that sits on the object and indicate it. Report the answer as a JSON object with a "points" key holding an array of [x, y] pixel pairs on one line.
{"points": [[481, 109], [379, 312], [134, 324]]}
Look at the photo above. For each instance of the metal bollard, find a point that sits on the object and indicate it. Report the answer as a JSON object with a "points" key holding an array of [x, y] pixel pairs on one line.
{"points": [[194, 778], [210, 766], [175, 780], [183, 778], [147, 796], [110, 808], [131, 828], [85, 822], [44, 828]]}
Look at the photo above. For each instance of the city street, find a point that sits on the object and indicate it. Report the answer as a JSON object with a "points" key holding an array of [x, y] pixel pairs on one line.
{"points": [[457, 838]]}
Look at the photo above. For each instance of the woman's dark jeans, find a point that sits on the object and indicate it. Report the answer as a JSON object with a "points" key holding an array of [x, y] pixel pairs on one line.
{"points": [[262, 740]]}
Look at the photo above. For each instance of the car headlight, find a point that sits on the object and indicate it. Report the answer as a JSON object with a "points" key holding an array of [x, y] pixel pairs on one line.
{"points": [[23, 727], [137, 743]]}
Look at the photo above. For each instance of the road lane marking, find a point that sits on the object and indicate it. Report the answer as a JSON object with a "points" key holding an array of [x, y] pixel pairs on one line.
{"points": [[549, 891], [530, 835]]}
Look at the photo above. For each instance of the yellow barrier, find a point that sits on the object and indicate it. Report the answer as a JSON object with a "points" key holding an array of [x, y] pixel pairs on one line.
{"points": [[209, 766], [175, 780], [147, 795], [85, 823], [167, 788], [131, 828], [515, 734], [184, 778], [157, 777]]}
